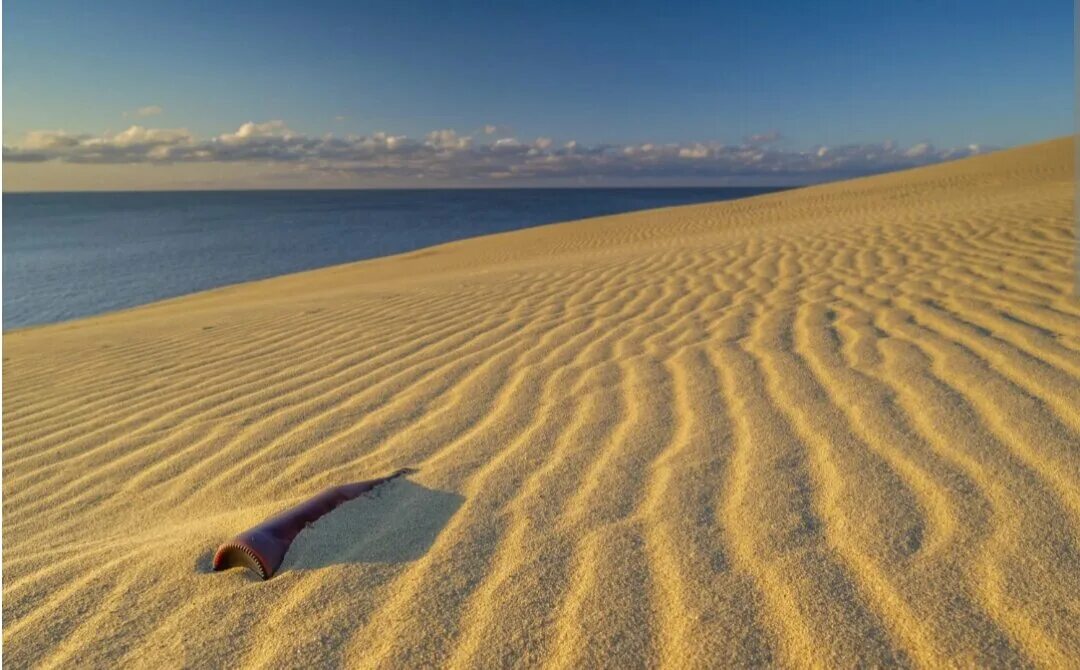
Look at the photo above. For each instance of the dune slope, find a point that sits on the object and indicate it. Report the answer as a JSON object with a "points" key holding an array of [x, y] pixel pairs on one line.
{"points": [[830, 426]]}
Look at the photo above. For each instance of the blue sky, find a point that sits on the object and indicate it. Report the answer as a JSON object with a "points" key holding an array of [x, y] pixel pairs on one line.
{"points": [[956, 73]]}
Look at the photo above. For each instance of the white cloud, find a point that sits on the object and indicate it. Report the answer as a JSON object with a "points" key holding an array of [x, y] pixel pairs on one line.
{"points": [[448, 140], [250, 132], [139, 136], [694, 151], [133, 145], [770, 137], [52, 139], [508, 145], [446, 155], [919, 150], [143, 112]]}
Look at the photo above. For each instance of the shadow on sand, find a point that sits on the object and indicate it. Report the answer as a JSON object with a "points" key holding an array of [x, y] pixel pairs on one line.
{"points": [[396, 523]]}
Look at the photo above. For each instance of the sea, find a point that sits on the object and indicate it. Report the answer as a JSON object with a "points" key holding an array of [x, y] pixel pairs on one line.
{"points": [[70, 255]]}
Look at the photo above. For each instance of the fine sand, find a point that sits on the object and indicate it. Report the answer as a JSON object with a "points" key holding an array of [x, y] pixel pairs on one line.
{"points": [[832, 426]]}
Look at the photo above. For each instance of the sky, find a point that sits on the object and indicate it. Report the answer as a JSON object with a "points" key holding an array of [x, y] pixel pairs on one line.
{"points": [[143, 95]]}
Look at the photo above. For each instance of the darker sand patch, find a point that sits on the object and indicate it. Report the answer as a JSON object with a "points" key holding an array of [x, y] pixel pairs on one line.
{"points": [[396, 523]]}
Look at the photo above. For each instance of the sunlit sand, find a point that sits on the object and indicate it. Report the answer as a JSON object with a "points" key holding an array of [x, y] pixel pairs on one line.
{"points": [[831, 426]]}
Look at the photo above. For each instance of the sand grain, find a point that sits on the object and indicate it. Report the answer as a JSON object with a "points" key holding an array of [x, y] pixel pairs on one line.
{"points": [[831, 426]]}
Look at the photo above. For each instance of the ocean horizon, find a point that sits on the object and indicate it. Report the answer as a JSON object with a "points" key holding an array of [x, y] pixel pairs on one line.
{"points": [[69, 255]]}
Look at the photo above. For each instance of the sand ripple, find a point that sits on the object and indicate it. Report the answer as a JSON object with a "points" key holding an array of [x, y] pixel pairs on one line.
{"points": [[836, 426]]}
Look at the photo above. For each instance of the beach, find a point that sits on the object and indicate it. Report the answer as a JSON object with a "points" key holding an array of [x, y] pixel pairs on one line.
{"points": [[831, 426], [78, 254]]}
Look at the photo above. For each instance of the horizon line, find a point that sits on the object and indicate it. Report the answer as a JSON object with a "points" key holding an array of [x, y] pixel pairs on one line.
{"points": [[414, 188]]}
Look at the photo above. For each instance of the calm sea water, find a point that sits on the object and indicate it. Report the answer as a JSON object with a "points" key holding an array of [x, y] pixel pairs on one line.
{"points": [[68, 255]]}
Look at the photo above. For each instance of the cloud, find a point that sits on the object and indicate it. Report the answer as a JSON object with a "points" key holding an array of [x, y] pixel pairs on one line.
{"points": [[143, 112], [448, 140], [770, 137], [919, 150], [134, 145], [25, 156], [508, 145], [252, 132], [694, 151], [447, 155]]}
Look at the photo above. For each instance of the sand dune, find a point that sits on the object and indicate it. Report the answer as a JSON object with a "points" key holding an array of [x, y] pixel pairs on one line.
{"points": [[831, 426]]}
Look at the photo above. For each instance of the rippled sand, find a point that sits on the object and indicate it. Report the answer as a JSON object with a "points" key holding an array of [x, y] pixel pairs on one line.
{"points": [[831, 426]]}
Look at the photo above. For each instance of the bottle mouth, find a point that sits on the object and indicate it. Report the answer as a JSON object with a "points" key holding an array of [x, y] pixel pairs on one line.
{"points": [[237, 555]]}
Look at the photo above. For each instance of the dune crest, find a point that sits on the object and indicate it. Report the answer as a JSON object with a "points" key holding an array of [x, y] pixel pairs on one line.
{"points": [[831, 426]]}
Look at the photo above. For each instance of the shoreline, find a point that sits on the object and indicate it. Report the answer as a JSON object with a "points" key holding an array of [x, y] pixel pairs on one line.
{"points": [[750, 192]]}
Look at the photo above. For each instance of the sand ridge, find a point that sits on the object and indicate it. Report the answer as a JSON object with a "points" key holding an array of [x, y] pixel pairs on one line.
{"points": [[830, 426]]}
